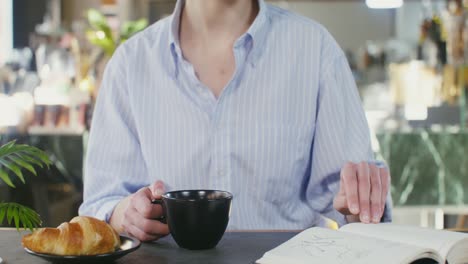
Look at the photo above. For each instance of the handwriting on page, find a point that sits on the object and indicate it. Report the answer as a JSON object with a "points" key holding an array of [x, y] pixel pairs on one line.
{"points": [[338, 248], [320, 245]]}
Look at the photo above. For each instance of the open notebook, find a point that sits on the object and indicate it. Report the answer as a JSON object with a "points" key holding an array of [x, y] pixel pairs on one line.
{"points": [[367, 243]]}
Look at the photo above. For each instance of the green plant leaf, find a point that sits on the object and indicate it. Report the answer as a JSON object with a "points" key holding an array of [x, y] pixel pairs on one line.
{"points": [[28, 220], [25, 223], [19, 214], [16, 157], [11, 148], [10, 213], [96, 19], [4, 176], [22, 163], [2, 215], [130, 28], [16, 217], [44, 158], [105, 43], [101, 35], [13, 158], [32, 220], [15, 169], [39, 154], [6, 147], [31, 160]]}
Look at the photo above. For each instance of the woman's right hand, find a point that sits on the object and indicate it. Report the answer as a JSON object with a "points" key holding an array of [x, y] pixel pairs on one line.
{"points": [[135, 215]]}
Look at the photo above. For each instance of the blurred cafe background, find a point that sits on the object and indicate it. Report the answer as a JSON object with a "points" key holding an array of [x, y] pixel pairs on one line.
{"points": [[409, 59]]}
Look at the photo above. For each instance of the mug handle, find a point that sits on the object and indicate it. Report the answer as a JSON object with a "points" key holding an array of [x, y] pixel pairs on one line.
{"points": [[162, 218]]}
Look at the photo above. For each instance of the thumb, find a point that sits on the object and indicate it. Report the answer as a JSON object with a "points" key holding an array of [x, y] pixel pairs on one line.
{"points": [[157, 189]]}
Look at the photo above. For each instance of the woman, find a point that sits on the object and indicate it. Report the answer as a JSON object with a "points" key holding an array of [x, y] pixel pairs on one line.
{"points": [[235, 95]]}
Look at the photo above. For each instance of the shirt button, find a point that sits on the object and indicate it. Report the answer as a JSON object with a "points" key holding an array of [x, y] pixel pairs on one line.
{"points": [[221, 172]]}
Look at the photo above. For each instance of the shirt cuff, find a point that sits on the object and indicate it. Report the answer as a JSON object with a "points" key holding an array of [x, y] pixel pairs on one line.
{"points": [[104, 211]]}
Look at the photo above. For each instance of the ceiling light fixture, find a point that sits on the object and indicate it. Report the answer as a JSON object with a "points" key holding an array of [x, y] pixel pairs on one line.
{"points": [[384, 3]]}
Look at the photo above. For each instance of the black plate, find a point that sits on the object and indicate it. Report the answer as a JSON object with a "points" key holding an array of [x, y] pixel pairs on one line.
{"points": [[127, 245]]}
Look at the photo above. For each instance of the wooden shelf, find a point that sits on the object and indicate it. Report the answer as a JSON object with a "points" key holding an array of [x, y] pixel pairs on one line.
{"points": [[55, 131]]}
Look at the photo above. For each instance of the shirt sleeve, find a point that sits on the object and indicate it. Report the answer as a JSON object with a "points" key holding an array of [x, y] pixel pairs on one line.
{"points": [[114, 165], [341, 135]]}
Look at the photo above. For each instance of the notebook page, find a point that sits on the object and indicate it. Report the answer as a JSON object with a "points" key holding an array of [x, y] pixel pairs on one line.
{"points": [[438, 240], [319, 245]]}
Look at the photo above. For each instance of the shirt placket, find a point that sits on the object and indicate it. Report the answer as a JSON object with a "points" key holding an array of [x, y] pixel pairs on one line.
{"points": [[218, 112], [221, 168]]}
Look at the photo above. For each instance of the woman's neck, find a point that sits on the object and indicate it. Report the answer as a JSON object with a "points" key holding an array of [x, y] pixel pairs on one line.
{"points": [[209, 19]]}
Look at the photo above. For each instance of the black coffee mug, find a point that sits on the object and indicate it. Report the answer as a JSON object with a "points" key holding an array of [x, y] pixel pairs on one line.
{"points": [[197, 219]]}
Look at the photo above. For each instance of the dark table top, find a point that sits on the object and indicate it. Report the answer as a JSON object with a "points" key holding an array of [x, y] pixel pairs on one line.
{"points": [[235, 247]]}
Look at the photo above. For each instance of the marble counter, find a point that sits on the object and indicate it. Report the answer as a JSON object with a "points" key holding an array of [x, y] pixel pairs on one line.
{"points": [[427, 168]]}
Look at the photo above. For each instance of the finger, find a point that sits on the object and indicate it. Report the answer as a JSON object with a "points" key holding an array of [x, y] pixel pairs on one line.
{"points": [[141, 201], [376, 193], [148, 226], [348, 174], [157, 189], [339, 201], [130, 218], [385, 180], [140, 235], [364, 191], [153, 227]]}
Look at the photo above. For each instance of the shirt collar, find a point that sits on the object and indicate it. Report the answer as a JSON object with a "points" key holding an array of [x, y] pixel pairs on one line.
{"points": [[257, 31], [174, 25]]}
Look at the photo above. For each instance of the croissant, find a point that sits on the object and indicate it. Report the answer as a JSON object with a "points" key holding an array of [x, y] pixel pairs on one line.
{"points": [[82, 236]]}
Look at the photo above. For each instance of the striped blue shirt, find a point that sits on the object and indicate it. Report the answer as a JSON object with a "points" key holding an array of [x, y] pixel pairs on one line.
{"points": [[276, 137]]}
